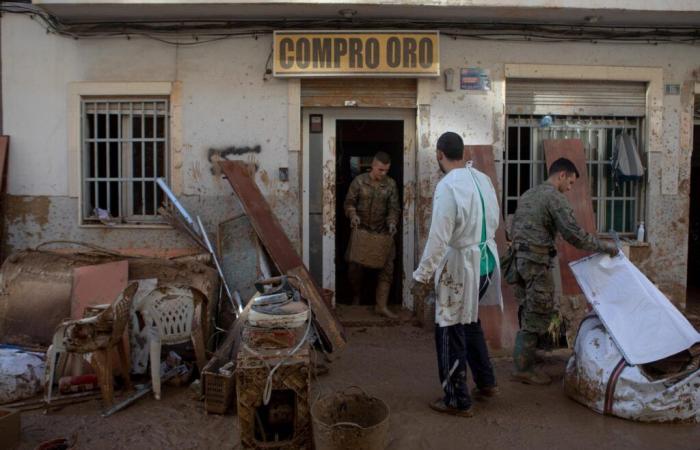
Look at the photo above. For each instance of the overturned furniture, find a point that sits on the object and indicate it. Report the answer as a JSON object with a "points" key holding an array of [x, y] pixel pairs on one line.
{"points": [[36, 288], [98, 335], [637, 357]]}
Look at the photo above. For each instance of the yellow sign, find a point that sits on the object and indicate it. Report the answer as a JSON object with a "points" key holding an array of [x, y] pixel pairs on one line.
{"points": [[356, 53]]}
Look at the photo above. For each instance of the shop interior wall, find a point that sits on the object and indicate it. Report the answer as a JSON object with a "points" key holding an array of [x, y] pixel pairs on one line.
{"points": [[225, 103]]}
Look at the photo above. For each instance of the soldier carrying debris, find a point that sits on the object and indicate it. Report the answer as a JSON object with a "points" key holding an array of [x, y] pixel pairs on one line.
{"points": [[372, 203], [542, 212]]}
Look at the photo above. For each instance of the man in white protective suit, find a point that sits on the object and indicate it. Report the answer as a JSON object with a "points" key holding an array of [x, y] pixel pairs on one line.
{"points": [[461, 261]]}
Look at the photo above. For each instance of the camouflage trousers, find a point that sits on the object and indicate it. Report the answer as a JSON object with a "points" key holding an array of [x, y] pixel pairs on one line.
{"points": [[535, 294]]}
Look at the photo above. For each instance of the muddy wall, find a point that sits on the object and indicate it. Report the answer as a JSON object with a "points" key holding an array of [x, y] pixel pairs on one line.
{"points": [[224, 102], [227, 101]]}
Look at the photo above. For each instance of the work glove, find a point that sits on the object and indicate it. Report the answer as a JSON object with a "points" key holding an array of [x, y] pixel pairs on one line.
{"points": [[355, 221], [611, 249], [392, 229], [420, 290]]}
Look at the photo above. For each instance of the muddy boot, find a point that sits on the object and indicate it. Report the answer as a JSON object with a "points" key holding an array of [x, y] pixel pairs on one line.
{"points": [[524, 360], [383, 289]]}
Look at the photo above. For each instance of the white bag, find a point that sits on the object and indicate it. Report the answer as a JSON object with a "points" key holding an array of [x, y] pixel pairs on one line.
{"points": [[598, 376]]}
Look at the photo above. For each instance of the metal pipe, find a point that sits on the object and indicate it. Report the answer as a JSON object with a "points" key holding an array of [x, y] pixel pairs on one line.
{"points": [[181, 209]]}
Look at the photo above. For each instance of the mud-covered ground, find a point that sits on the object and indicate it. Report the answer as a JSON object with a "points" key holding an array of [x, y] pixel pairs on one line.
{"points": [[398, 365]]}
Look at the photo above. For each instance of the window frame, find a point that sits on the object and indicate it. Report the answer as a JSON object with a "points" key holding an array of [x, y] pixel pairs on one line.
{"points": [[76, 92], [604, 195]]}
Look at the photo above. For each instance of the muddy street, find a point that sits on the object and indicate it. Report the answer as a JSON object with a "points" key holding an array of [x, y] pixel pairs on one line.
{"points": [[398, 365]]}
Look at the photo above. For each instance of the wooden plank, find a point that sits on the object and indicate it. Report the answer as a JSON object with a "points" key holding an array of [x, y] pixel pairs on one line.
{"points": [[281, 251], [500, 328], [4, 150], [580, 198]]}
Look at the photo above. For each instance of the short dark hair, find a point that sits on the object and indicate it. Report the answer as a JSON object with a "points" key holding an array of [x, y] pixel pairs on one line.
{"points": [[563, 165], [383, 157], [451, 145]]}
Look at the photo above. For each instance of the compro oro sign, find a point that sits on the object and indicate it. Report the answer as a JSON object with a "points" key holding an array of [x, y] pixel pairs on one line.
{"points": [[356, 53]]}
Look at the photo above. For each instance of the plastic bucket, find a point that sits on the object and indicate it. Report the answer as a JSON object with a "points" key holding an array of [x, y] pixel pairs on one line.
{"points": [[350, 419]]}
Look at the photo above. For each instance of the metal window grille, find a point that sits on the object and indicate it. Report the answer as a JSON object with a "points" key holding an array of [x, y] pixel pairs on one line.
{"points": [[125, 147], [617, 207]]}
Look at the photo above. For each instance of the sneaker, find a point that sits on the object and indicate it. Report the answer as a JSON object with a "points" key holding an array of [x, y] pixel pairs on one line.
{"points": [[440, 406], [486, 392]]}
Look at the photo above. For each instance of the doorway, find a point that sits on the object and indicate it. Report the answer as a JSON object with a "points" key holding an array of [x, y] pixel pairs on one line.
{"points": [[338, 144], [357, 141]]}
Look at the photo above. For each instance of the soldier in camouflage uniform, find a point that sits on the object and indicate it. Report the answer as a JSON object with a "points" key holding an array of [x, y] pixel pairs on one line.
{"points": [[373, 204], [542, 212]]}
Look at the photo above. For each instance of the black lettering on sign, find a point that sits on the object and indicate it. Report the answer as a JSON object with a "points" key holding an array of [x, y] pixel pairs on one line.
{"points": [[372, 53], [425, 53], [286, 45], [355, 52], [409, 52], [322, 52], [393, 52], [303, 53], [340, 48]]}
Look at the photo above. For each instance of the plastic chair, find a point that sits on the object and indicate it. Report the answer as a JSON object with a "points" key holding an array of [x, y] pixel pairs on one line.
{"points": [[97, 335], [173, 315]]}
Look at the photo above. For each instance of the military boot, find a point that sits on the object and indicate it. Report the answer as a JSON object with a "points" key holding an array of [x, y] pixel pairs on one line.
{"points": [[524, 360], [383, 289]]}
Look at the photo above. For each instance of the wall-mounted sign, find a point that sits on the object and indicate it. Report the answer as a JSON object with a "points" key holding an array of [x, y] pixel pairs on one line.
{"points": [[356, 53], [474, 79]]}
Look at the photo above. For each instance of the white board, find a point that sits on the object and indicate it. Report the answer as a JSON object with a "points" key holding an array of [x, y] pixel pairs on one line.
{"points": [[643, 322]]}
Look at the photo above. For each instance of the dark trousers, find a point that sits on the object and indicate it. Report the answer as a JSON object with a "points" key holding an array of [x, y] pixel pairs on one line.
{"points": [[457, 346]]}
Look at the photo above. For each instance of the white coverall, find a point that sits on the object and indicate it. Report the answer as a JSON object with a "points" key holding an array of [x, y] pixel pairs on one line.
{"points": [[452, 252]]}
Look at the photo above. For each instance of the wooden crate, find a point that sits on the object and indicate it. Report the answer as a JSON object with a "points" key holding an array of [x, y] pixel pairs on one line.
{"points": [[291, 379]]}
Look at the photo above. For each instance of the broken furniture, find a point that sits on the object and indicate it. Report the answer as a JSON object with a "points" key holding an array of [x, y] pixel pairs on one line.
{"points": [[173, 316], [281, 251], [97, 335], [284, 422], [273, 370], [35, 288]]}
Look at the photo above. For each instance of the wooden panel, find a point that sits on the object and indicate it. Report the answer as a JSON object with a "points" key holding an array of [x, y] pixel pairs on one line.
{"points": [[280, 249], [367, 93], [580, 198], [4, 149], [500, 328]]}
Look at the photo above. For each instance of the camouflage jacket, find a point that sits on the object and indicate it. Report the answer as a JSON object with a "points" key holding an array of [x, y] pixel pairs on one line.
{"points": [[542, 212], [376, 204]]}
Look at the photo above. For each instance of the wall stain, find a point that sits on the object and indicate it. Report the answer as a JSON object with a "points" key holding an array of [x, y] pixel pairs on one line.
{"points": [[20, 208]]}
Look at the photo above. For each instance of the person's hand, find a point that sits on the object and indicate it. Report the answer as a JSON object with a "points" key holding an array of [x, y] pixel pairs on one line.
{"points": [[355, 221], [611, 249], [392, 229], [420, 290]]}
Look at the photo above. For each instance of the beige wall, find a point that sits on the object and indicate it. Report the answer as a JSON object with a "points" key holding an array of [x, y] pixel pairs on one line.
{"points": [[225, 101]]}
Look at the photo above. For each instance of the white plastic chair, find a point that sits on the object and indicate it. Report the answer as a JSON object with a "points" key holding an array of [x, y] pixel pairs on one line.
{"points": [[173, 316]]}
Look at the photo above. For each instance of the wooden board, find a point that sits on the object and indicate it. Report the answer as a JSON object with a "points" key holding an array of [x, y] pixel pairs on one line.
{"points": [[100, 284], [500, 328], [280, 249], [580, 198]]}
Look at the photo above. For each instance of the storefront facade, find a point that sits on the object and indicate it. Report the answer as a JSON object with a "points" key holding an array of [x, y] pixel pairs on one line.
{"points": [[93, 122]]}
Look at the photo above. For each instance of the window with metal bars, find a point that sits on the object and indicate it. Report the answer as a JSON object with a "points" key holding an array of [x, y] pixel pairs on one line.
{"points": [[125, 148], [617, 206]]}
